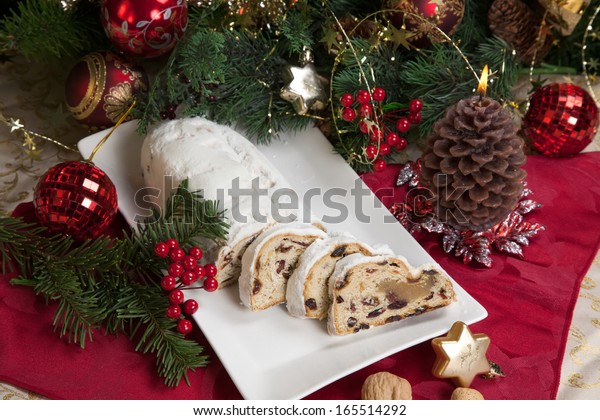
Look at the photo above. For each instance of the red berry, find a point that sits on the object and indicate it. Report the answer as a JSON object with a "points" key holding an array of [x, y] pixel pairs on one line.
{"points": [[379, 165], [402, 143], [415, 106], [210, 270], [392, 139], [190, 306], [363, 97], [171, 243], [403, 125], [363, 127], [371, 152], [378, 94], [365, 110], [348, 114], [176, 254], [211, 284], [188, 278], [176, 297], [384, 149], [168, 283], [175, 269], [184, 326], [199, 271], [173, 311], [376, 134], [347, 99], [188, 262], [161, 250], [195, 252], [415, 118]]}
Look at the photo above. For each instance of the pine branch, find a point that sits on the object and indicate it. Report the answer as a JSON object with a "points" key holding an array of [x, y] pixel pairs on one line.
{"points": [[298, 29], [18, 240], [114, 284], [145, 305], [42, 29], [77, 314]]}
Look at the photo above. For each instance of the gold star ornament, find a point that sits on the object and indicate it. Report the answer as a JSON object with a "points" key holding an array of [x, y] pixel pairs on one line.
{"points": [[460, 355], [305, 88]]}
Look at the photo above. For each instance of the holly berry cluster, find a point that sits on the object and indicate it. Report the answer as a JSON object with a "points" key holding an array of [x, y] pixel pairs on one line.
{"points": [[184, 270], [382, 137]]}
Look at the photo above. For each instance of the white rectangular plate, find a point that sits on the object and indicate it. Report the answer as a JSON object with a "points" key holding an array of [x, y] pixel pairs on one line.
{"points": [[269, 354]]}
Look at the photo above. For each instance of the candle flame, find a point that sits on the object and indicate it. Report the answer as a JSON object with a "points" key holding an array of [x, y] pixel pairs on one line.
{"points": [[483, 80]]}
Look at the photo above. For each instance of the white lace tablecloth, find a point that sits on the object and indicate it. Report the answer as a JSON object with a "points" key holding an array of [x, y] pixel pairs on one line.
{"points": [[34, 94]]}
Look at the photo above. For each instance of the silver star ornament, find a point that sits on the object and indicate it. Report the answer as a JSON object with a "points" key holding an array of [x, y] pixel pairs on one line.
{"points": [[305, 88]]}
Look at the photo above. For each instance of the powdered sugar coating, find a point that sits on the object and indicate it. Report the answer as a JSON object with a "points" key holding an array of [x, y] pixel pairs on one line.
{"points": [[254, 250], [212, 157]]}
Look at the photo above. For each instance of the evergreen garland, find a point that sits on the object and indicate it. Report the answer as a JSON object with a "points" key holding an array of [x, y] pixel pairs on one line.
{"points": [[230, 71], [113, 284], [43, 30]]}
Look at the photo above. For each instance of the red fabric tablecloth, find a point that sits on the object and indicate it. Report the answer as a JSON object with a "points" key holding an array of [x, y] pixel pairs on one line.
{"points": [[530, 304]]}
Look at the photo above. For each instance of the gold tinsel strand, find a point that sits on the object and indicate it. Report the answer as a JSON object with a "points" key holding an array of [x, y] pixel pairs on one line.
{"points": [[252, 13], [382, 33], [585, 62], [31, 148]]}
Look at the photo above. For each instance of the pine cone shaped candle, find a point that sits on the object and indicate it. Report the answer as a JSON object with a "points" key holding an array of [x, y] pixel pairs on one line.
{"points": [[473, 164]]}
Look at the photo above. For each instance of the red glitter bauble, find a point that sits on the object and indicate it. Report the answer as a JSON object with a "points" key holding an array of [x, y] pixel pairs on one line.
{"points": [[421, 17], [562, 119], [144, 28], [101, 87], [76, 199]]}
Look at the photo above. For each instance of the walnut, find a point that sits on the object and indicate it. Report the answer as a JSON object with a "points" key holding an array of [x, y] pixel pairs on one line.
{"points": [[466, 394], [386, 386]]}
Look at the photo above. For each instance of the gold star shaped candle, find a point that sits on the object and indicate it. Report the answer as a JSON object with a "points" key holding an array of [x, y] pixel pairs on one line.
{"points": [[460, 355]]}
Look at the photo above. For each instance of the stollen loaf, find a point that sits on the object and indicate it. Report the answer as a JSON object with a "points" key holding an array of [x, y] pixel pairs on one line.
{"points": [[224, 166]]}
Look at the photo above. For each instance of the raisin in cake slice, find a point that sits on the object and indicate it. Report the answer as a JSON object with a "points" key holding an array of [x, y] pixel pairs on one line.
{"points": [[269, 261], [307, 292], [372, 291]]}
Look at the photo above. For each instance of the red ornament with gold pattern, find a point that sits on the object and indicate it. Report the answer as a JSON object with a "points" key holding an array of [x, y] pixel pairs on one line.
{"points": [[421, 17], [101, 87], [76, 199], [562, 119], [144, 28]]}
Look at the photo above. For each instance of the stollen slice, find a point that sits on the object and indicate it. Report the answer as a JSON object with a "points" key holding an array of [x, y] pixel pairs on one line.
{"points": [[270, 260], [307, 292], [371, 291]]}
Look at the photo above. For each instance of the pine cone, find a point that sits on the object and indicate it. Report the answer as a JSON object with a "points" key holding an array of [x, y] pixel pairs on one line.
{"points": [[476, 150], [517, 24]]}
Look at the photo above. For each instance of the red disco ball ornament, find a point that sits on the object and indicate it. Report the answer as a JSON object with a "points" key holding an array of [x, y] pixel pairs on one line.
{"points": [[75, 198], [562, 119], [144, 28], [101, 87], [421, 17]]}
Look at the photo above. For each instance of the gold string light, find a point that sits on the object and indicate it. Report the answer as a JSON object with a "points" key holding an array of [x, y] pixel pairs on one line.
{"points": [[535, 51], [352, 154], [584, 62]]}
